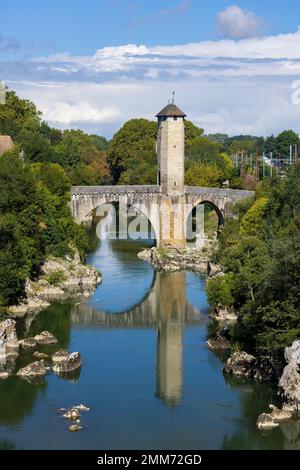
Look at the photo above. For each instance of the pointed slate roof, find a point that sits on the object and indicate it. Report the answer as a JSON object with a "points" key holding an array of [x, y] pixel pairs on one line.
{"points": [[171, 110]]}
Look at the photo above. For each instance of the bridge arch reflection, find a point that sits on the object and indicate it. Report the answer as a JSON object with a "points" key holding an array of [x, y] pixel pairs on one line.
{"points": [[167, 309]]}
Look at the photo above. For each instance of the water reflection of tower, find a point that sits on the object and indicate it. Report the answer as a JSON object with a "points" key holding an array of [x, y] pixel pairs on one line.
{"points": [[171, 303]]}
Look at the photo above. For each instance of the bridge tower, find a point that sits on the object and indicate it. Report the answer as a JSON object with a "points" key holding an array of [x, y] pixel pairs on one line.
{"points": [[170, 150]]}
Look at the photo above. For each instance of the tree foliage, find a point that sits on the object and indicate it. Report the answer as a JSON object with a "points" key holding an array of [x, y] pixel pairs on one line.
{"points": [[260, 251], [35, 221]]}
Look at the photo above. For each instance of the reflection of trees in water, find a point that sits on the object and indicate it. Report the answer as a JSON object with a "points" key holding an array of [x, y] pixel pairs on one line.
{"points": [[165, 308], [254, 398], [56, 319], [18, 397]]}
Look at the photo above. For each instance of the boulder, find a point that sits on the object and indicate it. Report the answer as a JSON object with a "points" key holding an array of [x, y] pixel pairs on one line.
{"points": [[268, 368], [292, 354], [75, 428], [28, 343], [265, 421], [35, 369], [145, 254], [280, 415], [8, 337], [240, 364], [72, 414], [225, 315], [70, 363], [289, 383], [81, 408], [294, 409], [60, 356], [45, 338], [4, 375], [40, 355], [220, 340]]}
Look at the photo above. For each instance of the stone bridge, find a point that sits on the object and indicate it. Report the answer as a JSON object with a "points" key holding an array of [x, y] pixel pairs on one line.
{"points": [[169, 204], [168, 214]]}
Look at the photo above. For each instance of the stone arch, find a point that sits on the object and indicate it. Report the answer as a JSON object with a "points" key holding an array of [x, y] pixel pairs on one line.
{"points": [[84, 206], [209, 201]]}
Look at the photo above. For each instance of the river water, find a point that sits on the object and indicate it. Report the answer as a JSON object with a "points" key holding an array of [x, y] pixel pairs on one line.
{"points": [[147, 375]]}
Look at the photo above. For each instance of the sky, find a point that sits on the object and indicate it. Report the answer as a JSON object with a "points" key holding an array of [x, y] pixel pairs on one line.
{"points": [[94, 64]]}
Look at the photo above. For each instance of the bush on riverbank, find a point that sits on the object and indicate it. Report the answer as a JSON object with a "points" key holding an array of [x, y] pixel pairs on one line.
{"points": [[260, 253]]}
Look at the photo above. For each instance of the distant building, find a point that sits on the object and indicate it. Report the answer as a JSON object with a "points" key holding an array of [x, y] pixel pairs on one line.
{"points": [[6, 143]]}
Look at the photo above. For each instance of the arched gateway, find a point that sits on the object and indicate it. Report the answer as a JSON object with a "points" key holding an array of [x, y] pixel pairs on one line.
{"points": [[167, 204]]}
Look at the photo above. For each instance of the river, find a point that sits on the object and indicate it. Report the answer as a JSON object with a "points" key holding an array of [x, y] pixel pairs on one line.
{"points": [[147, 375]]}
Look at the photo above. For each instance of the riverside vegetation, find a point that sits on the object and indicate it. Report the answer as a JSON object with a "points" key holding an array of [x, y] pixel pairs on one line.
{"points": [[259, 250], [260, 255]]}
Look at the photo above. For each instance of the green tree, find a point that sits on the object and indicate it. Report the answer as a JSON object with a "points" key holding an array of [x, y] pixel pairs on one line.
{"points": [[283, 142], [252, 220], [131, 147], [15, 113], [200, 174]]}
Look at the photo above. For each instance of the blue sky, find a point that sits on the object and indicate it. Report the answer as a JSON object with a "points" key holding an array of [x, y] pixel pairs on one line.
{"points": [[82, 26], [96, 63]]}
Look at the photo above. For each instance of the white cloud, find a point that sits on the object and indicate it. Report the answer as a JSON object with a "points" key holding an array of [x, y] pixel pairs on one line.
{"points": [[65, 113], [235, 86], [233, 22]]}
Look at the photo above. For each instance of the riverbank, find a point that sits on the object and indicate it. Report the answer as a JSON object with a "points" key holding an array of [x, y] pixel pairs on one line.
{"points": [[60, 278]]}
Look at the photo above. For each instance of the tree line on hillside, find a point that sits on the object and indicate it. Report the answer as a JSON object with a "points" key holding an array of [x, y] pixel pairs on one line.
{"points": [[130, 156], [277, 146]]}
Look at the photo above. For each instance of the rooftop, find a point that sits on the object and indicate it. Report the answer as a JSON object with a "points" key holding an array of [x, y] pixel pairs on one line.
{"points": [[171, 110]]}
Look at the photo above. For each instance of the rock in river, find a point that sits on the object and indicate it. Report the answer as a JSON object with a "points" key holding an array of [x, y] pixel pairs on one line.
{"points": [[35, 369], [60, 356], [72, 414], [69, 363], [265, 421], [292, 354], [75, 428], [81, 408], [220, 340], [45, 338], [272, 420], [240, 364], [28, 343], [40, 355], [289, 383], [8, 337], [280, 415]]}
